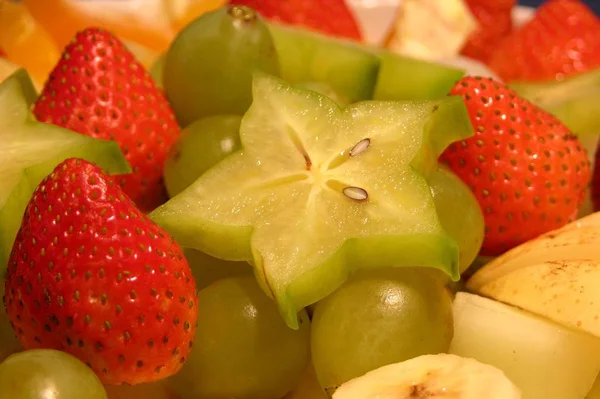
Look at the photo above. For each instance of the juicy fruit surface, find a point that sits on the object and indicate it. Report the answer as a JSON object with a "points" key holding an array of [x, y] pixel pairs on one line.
{"points": [[99, 89], [91, 275], [404, 313], [332, 17], [208, 68], [39, 373], [303, 206], [243, 348], [202, 145], [574, 48], [529, 349], [526, 169], [30, 150], [459, 214], [306, 57]]}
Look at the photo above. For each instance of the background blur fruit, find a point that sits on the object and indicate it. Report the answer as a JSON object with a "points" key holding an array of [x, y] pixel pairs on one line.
{"points": [[202, 144], [243, 349], [182, 12], [25, 42], [150, 28], [331, 17], [531, 350], [209, 66], [207, 270], [48, 373], [379, 317], [308, 388], [538, 51]]}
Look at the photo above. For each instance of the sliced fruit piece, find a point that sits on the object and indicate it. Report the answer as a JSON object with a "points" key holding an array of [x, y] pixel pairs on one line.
{"points": [[242, 348], [326, 90], [201, 146], [430, 29], [404, 78], [531, 350], [25, 41], [556, 275], [459, 213], [573, 100], [594, 393], [209, 66], [404, 312], [45, 373], [431, 376], [318, 191], [30, 150], [350, 69]]}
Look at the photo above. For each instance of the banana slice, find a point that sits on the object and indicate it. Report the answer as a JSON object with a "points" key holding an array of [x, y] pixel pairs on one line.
{"points": [[431, 376]]}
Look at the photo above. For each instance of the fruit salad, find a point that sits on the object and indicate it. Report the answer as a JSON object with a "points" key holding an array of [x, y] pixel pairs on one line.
{"points": [[258, 200]]}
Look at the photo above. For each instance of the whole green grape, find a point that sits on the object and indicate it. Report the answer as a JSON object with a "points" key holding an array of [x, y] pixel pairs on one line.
{"points": [[207, 269], [46, 373], [209, 66], [459, 213], [202, 144], [379, 317], [9, 343], [243, 349]]}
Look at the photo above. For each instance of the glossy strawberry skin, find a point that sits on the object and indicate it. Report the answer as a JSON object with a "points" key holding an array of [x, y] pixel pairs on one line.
{"points": [[331, 17], [528, 171], [91, 275], [562, 39], [99, 89], [495, 23]]}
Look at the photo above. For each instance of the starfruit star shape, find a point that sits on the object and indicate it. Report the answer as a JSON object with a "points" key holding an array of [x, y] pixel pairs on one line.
{"points": [[318, 191], [30, 150]]}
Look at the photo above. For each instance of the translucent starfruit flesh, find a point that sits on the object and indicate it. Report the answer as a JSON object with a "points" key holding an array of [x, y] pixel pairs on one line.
{"points": [[318, 191], [30, 150]]}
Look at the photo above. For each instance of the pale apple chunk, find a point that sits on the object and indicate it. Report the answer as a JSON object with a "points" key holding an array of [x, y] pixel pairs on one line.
{"points": [[544, 359]]}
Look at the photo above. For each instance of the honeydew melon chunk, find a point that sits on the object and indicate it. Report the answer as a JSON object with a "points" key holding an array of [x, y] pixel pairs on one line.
{"points": [[281, 202], [30, 150], [544, 359]]}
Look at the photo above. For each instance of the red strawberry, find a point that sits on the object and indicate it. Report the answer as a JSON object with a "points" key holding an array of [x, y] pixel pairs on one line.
{"points": [[331, 17], [527, 170], [562, 39], [90, 274], [99, 89], [495, 23], [595, 186]]}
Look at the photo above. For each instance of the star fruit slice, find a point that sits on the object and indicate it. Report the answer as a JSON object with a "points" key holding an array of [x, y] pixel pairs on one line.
{"points": [[318, 191], [30, 150]]}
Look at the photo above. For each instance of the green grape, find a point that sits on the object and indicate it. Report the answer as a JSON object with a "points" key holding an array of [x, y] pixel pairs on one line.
{"points": [[9, 343], [201, 145], [45, 373], [379, 317], [207, 270], [209, 67], [243, 349], [459, 213]]}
